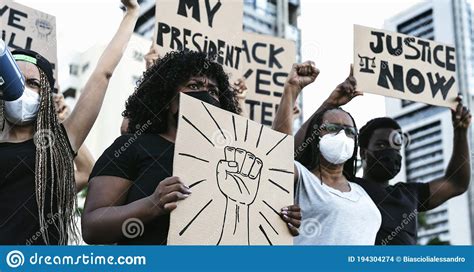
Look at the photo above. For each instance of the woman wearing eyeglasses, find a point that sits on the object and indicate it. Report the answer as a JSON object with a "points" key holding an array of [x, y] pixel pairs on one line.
{"points": [[336, 211]]}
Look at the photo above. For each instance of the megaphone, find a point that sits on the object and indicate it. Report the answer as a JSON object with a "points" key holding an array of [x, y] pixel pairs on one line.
{"points": [[12, 81]]}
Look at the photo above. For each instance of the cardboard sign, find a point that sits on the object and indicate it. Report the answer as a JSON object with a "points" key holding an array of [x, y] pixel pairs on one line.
{"points": [[210, 26], [266, 64], [240, 174], [405, 67], [27, 28]]}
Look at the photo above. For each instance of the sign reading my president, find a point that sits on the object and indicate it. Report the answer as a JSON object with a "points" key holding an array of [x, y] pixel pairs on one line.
{"points": [[209, 26]]}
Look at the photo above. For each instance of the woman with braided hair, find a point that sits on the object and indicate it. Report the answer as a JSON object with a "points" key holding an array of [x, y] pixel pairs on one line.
{"points": [[37, 188]]}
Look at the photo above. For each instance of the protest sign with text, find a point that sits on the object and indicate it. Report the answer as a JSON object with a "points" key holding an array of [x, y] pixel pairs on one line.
{"points": [[405, 67], [266, 63], [27, 28]]}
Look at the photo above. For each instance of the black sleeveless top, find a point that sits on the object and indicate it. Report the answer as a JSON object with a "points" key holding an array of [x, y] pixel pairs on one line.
{"points": [[19, 224]]}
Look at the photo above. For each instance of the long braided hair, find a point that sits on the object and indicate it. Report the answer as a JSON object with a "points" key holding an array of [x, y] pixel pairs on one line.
{"points": [[54, 170]]}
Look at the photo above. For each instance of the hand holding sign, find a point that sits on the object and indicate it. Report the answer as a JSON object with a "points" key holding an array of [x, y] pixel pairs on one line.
{"points": [[238, 176], [241, 88], [168, 192], [345, 91], [301, 75], [461, 116]]}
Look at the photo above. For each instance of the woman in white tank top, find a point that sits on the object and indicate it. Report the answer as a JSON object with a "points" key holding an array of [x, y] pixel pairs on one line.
{"points": [[335, 210]]}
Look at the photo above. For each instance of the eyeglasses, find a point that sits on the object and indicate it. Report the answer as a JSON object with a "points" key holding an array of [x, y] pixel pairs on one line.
{"points": [[335, 129]]}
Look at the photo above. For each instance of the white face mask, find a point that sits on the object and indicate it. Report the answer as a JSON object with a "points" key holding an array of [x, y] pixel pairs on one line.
{"points": [[336, 148], [23, 111]]}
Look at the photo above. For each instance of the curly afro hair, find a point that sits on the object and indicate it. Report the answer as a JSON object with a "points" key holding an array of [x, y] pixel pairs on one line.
{"points": [[159, 86]]}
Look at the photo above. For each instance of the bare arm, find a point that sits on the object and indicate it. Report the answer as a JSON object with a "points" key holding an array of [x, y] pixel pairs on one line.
{"points": [[342, 95], [84, 163], [299, 77], [105, 212], [88, 106], [458, 174]]}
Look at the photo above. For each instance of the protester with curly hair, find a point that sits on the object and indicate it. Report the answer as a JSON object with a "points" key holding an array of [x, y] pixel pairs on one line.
{"points": [[132, 181]]}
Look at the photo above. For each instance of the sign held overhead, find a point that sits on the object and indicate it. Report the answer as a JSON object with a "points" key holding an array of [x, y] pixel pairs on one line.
{"points": [[405, 67]]}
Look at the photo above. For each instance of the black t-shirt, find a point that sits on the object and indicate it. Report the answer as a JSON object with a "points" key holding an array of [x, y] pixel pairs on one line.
{"points": [[399, 205], [145, 160]]}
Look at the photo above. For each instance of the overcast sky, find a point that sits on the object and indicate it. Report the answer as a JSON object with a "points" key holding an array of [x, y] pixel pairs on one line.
{"points": [[326, 27]]}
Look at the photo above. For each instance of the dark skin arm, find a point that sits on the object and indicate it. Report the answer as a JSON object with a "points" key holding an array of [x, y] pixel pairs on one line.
{"points": [[458, 174], [84, 162], [82, 118], [341, 95], [299, 77], [105, 212]]}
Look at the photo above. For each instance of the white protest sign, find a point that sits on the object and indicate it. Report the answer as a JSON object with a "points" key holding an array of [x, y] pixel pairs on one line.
{"points": [[240, 174], [210, 26], [266, 63], [405, 67], [27, 28]]}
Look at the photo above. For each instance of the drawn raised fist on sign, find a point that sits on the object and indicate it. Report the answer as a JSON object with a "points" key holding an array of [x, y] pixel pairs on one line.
{"points": [[238, 176]]}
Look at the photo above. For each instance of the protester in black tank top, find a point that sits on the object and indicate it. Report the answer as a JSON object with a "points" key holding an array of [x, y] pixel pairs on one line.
{"points": [[37, 189]]}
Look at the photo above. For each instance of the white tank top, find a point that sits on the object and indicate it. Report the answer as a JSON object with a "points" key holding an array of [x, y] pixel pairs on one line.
{"points": [[332, 217]]}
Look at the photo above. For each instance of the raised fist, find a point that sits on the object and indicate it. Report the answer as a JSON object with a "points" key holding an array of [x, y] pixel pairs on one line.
{"points": [[302, 75]]}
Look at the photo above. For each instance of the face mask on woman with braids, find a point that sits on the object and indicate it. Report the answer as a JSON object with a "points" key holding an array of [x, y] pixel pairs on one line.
{"points": [[23, 111], [54, 167]]}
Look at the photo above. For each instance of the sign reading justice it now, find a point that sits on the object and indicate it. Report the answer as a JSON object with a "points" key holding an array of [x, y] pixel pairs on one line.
{"points": [[396, 65]]}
